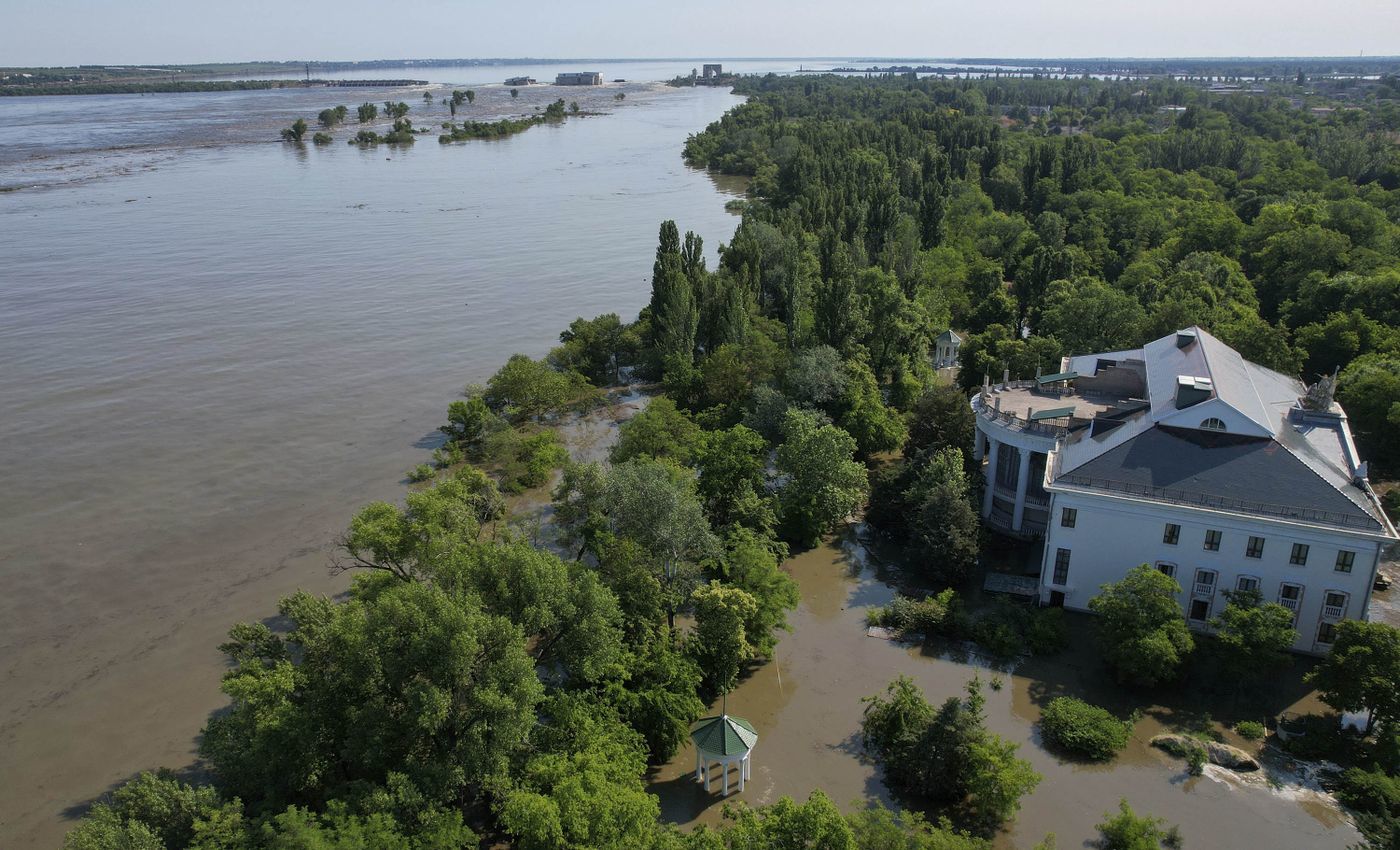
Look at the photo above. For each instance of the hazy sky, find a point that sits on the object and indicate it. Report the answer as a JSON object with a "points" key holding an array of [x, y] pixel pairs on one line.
{"points": [[55, 32]]}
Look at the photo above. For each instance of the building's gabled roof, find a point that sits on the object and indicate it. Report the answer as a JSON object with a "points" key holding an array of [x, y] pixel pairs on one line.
{"points": [[1219, 431], [724, 735], [950, 336], [1253, 475]]}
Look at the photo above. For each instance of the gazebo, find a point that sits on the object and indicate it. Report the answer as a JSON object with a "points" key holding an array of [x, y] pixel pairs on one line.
{"points": [[726, 740]]}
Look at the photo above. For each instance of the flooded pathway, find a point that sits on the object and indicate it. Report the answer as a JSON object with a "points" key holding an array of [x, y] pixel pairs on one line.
{"points": [[806, 708]]}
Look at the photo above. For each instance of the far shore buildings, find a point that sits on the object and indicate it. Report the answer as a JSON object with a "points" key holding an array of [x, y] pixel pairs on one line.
{"points": [[1219, 472], [579, 78], [520, 81]]}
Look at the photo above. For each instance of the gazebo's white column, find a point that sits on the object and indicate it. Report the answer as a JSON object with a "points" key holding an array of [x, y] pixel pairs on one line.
{"points": [[743, 771], [725, 766], [699, 767], [1023, 475], [992, 446]]}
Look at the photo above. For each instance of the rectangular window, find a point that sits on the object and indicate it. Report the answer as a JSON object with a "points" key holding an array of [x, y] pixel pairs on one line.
{"points": [[1290, 596], [1326, 633], [1334, 605], [1345, 560], [1205, 583], [1246, 584], [1167, 569], [1212, 540], [1200, 610], [1061, 566], [1255, 548], [1068, 517], [1300, 554], [1171, 534]]}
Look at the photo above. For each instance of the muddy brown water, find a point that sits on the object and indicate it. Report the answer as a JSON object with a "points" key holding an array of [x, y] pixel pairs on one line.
{"points": [[806, 707]]}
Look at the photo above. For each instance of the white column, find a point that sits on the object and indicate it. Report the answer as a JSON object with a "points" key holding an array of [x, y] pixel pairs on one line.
{"points": [[724, 765], [743, 771], [707, 777], [1023, 476], [698, 770], [976, 443], [992, 445]]}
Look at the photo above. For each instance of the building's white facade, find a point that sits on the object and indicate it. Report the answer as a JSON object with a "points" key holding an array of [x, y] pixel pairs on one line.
{"points": [[1183, 455]]}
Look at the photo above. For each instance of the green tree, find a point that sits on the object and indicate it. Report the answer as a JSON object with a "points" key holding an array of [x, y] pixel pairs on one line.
{"points": [[1088, 315], [295, 132], [824, 483], [469, 422], [404, 677], [367, 112], [656, 505], [514, 93], [732, 481], [1128, 830], [1369, 391], [943, 527], [675, 313], [816, 376], [1253, 637], [942, 419], [470, 95], [659, 431], [1360, 671], [720, 643], [1141, 627], [750, 564], [528, 389]]}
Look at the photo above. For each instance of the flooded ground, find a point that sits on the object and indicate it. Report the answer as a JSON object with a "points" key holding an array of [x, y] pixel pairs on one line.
{"points": [[806, 708]]}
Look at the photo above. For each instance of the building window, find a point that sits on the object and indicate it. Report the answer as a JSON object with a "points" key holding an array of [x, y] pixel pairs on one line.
{"points": [[1213, 424], [1334, 605], [1171, 534], [1068, 517], [1061, 566], [1212, 540], [1345, 560], [1255, 548], [1247, 584], [1300, 555], [1205, 583], [1290, 596], [1167, 569], [1326, 633], [1200, 610]]}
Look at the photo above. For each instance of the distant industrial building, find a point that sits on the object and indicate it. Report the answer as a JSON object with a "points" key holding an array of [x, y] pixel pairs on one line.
{"points": [[579, 78], [711, 71], [520, 81]]}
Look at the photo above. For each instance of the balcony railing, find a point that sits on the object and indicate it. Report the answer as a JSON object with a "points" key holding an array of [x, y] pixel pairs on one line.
{"points": [[1017, 423], [1290, 604], [1203, 588], [1333, 612]]}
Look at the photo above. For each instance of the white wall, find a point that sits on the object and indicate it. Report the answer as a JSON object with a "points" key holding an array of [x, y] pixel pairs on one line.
{"points": [[1114, 535]]}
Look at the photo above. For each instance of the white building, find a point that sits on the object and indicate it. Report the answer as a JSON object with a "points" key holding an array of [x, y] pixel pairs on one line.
{"points": [[945, 349], [1222, 473]]}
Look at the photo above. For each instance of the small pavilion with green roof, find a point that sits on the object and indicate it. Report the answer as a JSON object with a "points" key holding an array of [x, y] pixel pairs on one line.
{"points": [[724, 739]]}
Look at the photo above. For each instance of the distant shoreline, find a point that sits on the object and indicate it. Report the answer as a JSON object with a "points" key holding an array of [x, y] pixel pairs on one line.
{"points": [[178, 86]]}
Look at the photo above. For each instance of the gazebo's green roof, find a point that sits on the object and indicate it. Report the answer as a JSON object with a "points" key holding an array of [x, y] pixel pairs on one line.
{"points": [[724, 735]]}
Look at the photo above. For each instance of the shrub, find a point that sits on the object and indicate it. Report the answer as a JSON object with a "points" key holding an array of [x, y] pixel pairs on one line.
{"points": [[421, 472], [1196, 760], [1370, 791], [910, 616], [1045, 631], [322, 138], [1251, 730], [1085, 729]]}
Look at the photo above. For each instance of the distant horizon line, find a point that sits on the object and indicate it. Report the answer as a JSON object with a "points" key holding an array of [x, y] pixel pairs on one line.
{"points": [[520, 60]]}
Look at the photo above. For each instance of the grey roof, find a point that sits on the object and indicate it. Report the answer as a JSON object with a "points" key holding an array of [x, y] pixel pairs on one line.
{"points": [[1253, 475], [1270, 461], [949, 335]]}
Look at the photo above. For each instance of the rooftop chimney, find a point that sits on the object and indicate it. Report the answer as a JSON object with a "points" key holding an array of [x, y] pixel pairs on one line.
{"points": [[1185, 338]]}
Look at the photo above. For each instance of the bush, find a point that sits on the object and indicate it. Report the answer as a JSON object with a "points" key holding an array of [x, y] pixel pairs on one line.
{"points": [[1370, 791], [1085, 729], [910, 616], [1045, 632], [1251, 730], [1196, 760], [421, 472]]}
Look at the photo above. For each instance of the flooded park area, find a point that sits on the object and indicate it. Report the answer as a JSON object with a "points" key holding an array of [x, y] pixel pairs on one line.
{"points": [[806, 707]]}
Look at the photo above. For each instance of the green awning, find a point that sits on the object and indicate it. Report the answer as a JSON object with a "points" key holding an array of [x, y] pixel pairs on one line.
{"points": [[1053, 413], [1058, 376]]}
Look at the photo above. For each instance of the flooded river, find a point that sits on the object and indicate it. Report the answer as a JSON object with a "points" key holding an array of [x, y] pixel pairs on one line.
{"points": [[208, 362]]}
